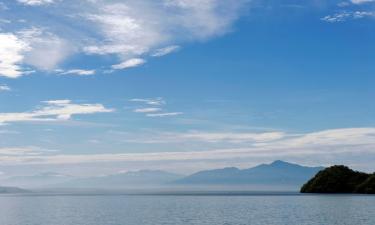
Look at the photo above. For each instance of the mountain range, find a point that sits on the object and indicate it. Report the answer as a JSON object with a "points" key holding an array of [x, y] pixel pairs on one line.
{"points": [[276, 173], [273, 175], [38, 180]]}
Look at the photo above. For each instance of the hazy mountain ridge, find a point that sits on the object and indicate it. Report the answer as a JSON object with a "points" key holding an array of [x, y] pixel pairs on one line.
{"points": [[125, 180], [273, 175], [276, 173], [12, 190], [37, 180]]}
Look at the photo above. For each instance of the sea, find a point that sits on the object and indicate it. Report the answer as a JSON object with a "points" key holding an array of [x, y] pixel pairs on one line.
{"points": [[187, 209]]}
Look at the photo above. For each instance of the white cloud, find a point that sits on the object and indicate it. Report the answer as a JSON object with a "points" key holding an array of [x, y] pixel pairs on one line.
{"points": [[24, 151], [344, 16], [47, 50], [232, 137], [54, 110], [201, 137], [35, 2], [129, 64], [335, 137], [152, 111], [129, 30], [4, 20], [338, 17], [5, 88], [321, 144], [164, 114], [12, 49], [78, 72], [361, 1], [165, 51], [147, 110], [362, 14], [150, 101], [34, 47]]}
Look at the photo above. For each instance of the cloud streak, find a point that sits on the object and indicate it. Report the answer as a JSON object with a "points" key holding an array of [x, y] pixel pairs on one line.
{"points": [[361, 1], [344, 16], [153, 111], [326, 143], [4, 88], [35, 2], [150, 101], [165, 51], [130, 63], [78, 72], [147, 110], [54, 110], [167, 114]]}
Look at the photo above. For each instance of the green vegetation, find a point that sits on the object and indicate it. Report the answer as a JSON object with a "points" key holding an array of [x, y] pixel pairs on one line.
{"points": [[340, 179], [367, 187]]}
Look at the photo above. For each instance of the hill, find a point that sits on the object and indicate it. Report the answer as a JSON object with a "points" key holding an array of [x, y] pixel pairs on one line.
{"points": [[340, 179]]}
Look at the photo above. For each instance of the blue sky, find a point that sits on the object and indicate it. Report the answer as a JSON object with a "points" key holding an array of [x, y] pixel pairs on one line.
{"points": [[97, 87]]}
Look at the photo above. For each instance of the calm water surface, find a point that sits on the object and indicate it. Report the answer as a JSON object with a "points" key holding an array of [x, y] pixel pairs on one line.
{"points": [[177, 210]]}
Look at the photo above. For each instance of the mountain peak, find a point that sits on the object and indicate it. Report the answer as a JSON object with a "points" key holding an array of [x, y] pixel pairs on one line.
{"points": [[280, 162]]}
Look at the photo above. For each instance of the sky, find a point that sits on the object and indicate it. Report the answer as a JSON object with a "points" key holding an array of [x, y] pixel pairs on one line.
{"points": [[95, 87]]}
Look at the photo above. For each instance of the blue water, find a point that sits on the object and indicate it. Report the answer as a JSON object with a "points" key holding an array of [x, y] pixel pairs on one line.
{"points": [[176, 210]]}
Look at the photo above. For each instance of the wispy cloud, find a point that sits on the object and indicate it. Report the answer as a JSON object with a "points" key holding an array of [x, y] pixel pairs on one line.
{"points": [[78, 72], [129, 30], [150, 101], [361, 1], [46, 49], [165, 51], [147, 110], [25, 151], [35, 2], [344, 16], [35, 46], [200, 137], [153, 111], [4, 88], [129, 64], [343, 137], [326, 143], [54, 110], [164, 114]]}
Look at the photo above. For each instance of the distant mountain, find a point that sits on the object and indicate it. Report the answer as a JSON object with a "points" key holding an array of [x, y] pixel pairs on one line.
{"points": [[37, 180], [143, 178], [340, 179], [276, 173], [12, 190]]}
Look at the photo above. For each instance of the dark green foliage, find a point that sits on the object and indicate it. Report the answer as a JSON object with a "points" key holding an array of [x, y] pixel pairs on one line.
{"points": [[340, 179], [367, 187]]}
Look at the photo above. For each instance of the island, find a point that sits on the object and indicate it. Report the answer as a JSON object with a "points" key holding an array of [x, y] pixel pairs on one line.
{"points": [[340, 180]]}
